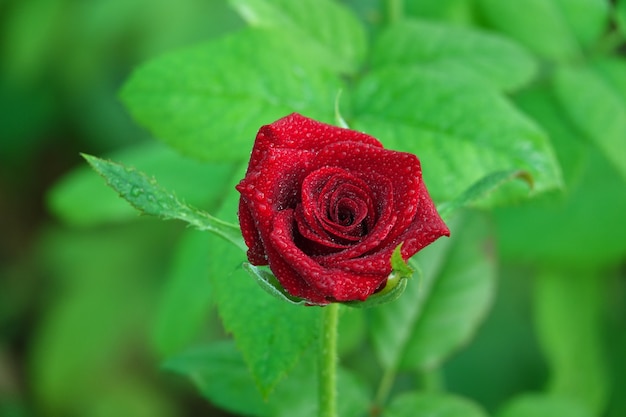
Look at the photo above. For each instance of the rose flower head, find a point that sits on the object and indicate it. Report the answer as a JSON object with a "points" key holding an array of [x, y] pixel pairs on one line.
{"points": [[325, 207]]}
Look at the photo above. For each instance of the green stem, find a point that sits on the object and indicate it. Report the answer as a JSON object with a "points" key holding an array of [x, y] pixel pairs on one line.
{"points": [[432, 380], [328, 362], [384, 388], [394, 10]]}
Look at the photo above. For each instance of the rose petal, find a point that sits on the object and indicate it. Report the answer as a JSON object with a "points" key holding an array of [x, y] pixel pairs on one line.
{"points": [[337, 284], [318, 190], [427, 227], [401, 169], [250, 233]]}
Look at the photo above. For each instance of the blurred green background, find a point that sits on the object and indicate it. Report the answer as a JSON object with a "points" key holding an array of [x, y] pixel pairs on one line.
{"points": [[77, 301], [82, 289]]}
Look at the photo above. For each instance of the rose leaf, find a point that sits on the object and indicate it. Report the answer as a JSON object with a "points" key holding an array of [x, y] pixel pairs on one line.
{"points": [[461, 131], [543, 405], [460, 294], [432, 404], [554, 29], [481, 190], [497, 59], [186, 297], [208, 101], [322, 27], [143, 193], [455, 293], [270, 333], [80, 200], [219, 372], [595, 101]]}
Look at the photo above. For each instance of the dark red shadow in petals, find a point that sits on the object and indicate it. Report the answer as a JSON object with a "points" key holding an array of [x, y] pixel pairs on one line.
{"points": [[256, 250]]}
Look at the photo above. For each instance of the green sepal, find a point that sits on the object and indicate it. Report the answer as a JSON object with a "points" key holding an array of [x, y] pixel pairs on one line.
{"points": [[270, 284], [396, 283]]}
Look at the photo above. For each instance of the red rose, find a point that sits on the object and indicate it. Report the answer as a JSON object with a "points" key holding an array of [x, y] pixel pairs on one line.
{"points": [[325, 207]]}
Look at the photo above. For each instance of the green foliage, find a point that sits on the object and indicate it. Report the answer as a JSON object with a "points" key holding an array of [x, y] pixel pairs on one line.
{"points": [[188, 177], [186, 296], [270, 333], [596, 104], [498, 60], [81, 343], [148, 197], [455, 293], [481, 190], [554, 29], [426, 405], [571, 228], [534, 405], [211, 108], [462, 132], [219, 372], [324, 28], [621, 15], [569, 311]]}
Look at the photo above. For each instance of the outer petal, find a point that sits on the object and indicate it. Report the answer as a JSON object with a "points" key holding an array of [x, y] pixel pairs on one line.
{"points": [[250, 233], [273, 186], [298, 132], [427, 226]]}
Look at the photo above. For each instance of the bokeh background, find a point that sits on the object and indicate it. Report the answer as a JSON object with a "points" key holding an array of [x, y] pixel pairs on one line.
{"points": [[79, 292]]}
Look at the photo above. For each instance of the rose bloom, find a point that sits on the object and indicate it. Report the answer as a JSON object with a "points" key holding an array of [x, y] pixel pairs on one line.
{"points": [[325, 207]]}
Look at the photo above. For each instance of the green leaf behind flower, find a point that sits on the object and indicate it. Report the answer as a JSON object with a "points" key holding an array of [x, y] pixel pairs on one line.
{"points": [[461, 131], [271, 334], [555, 29], [537, 405], [67, 199], [621, 15], [596, 104], [569, 309], [481, 190], [220, 374], [428, 405], [498, 60], [143, 193], [210, 100], [186, 297], [325, 28], [455, 294]]}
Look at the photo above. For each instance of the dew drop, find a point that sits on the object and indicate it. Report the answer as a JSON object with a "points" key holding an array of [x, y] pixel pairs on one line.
{"points": [[259, 195], [136, 191]]}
